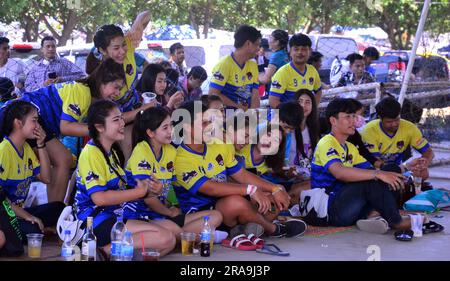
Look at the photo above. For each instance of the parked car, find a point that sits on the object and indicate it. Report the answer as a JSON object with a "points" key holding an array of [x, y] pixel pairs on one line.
{"points": [[391, 67], [28, 52], [332, 46]]}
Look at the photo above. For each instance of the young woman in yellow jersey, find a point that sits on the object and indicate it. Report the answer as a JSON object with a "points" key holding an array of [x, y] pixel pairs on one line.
{"points": [[153, 159], [111, 42], [20, 166], [62, 107], [101, 182]]}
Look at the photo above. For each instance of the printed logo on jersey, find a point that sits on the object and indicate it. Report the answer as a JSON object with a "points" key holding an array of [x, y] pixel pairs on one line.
{"points": [[218, 76], [400, 144], [332, 152], [170, 167], [276, 84], [188, 176], [30, 164], [144, 165], [369, 146], [311, 81], [249, 76], [91, 176], [219, 160], [75, 109]]}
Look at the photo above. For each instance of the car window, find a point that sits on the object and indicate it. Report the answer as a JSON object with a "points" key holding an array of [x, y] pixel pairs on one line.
{"points": [[153, 54], [335, 46], [225, 50], [194, 55]]}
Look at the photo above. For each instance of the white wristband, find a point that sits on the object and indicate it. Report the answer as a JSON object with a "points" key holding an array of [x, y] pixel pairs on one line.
{"points": [[251, 189]]}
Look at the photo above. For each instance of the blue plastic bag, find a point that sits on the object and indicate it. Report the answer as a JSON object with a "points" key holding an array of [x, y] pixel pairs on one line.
{"points": [[428, 201]]}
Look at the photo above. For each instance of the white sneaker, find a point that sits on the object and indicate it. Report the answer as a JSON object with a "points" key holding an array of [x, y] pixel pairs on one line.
{"points": [[373, 225]]}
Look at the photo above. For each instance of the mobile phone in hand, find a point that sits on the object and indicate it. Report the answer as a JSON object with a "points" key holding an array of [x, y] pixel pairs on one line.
{"points": [[52, 75]]}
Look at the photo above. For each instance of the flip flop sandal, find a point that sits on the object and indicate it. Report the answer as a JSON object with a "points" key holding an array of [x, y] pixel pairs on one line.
{"points": [[272, 249], [374, 225], [432, 227], [404, 235], [240, 242], [256, 241]]}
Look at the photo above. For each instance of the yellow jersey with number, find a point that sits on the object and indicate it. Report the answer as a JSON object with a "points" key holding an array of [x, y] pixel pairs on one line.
{"points": [[193, 169], [288, 80], [390, 148]]}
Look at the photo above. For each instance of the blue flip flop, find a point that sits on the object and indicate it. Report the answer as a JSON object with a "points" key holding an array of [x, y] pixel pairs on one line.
{"points": [[272, 249]]}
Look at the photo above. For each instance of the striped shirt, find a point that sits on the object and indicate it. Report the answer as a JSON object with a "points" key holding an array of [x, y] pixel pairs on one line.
{"points": [[38, 74]]}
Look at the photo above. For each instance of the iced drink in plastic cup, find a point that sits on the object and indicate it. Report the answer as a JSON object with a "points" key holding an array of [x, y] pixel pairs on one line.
{"points": [[34, 244]]}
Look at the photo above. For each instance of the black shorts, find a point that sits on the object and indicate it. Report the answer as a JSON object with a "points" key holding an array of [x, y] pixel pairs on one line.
{"points": [[179, 220], [103, 231]]}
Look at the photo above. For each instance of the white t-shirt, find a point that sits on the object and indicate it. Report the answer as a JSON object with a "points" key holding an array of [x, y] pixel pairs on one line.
{"points": [[306, 141]]}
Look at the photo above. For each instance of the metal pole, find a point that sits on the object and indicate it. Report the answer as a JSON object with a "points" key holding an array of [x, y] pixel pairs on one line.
{"points": [[419, 31]]}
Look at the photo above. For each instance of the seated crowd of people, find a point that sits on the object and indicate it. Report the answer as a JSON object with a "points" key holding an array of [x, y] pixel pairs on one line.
{"points": [[240, 174]]}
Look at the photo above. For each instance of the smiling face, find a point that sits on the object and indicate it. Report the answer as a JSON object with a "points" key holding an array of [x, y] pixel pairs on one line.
{"points": [[117, 49], [111, 90], [163, 134], [114, 128], [29, 124], [160, 83]]}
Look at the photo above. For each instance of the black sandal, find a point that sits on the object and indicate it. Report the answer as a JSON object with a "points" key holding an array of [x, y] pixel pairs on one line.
{"points": [[404, 235], [432, 227]]}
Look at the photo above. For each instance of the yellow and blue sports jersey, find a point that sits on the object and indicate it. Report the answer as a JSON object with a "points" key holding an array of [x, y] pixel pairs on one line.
{"points": [[329, 151], [17, 170], [288, 80], [94, 175], [391, 148], [193, 169], [245, 158], [235, 81], [142, 165], [68, 101], [129, 97]]}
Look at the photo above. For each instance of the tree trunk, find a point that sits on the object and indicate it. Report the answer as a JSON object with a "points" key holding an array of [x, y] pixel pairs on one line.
{"points": [[89, 35], [193, 21], [207, 19], [68, 28], [292, 20], [31, 27]]}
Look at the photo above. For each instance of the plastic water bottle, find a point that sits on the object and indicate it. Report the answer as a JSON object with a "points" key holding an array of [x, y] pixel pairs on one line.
{"points": [[205, 238], [117, 235], [67, 249], [127, 247]]}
